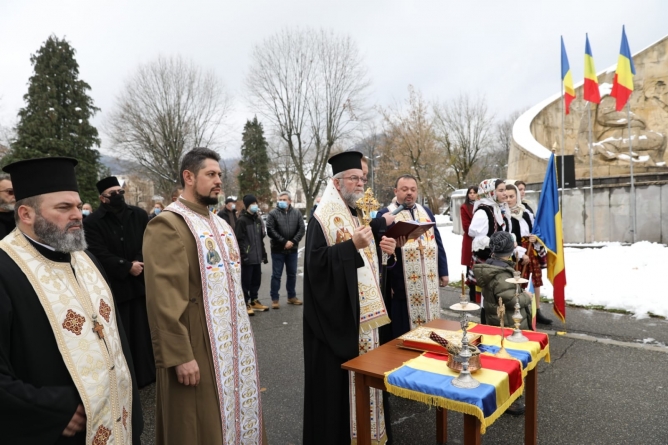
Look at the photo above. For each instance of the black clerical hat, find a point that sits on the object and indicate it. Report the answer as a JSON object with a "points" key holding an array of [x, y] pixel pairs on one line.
{"points": [[346, 161], [39, 176], [104, 184]]}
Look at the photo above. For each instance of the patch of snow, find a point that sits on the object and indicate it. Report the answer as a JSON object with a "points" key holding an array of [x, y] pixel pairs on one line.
{"points": [[621, 121], [641, 137], [661, 164], [635, 268], [647, 340]]}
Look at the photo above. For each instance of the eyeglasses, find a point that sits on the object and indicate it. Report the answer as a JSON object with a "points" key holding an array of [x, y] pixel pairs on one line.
{"points": [[357, 179], [114, 193]]}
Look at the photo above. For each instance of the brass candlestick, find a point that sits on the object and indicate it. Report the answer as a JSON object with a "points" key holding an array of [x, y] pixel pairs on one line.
{"points": [[501, 312], [517, 336]]}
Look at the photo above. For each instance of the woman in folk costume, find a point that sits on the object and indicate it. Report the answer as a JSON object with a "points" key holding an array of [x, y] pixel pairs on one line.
{"points": [[531, 255], [489, 216], [466, 215]]}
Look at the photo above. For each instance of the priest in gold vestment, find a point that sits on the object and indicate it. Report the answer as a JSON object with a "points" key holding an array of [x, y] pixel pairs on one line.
{"points": [[65, 365], [208, 389]]}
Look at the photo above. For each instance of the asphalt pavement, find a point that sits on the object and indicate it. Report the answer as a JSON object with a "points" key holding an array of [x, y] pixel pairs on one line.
{"points": [[606, 384]]}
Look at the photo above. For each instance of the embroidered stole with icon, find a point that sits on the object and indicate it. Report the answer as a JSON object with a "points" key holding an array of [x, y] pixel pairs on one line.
{"points": [[338, 225], [76, 299], [420, 260], [228, 326]]}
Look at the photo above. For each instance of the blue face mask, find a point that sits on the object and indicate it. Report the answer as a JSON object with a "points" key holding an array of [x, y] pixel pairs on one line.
{"points": [[282, 205], [85, 212], [157, 211], [253, 208]]}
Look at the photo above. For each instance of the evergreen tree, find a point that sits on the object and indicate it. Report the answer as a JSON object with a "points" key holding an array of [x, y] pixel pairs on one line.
{"points": [[254, 165], [56, 118]]}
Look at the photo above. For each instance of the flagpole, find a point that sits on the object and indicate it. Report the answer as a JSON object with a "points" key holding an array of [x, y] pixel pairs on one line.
{"points": [[563, 117], [591, 178], [633, 190]]}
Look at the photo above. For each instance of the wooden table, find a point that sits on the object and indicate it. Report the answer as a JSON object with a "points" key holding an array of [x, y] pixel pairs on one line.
{"points": [[370, 370]]}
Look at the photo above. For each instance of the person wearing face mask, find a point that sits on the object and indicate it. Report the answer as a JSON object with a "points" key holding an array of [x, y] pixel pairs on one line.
{"points": [[285, 227], [158, 207], [86, 210], [250, 234], [229, 212], [115, 233]]}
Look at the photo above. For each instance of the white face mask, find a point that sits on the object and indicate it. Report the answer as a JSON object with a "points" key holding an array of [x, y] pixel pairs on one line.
{"points": [[85, 212], [234, 206]]}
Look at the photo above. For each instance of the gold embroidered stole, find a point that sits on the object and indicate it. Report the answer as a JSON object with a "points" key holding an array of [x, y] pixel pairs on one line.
{"points": [[420, 260], [97, 366], [230, 332], [338, 226]]}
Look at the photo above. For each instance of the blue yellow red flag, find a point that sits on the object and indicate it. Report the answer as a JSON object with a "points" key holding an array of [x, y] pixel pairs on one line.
{"points": [[566, 79], [590, 91], [548, 229], [622, 84]]}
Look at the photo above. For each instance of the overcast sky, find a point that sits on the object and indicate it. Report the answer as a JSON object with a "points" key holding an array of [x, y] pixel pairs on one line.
{"points": [[507, 51]]}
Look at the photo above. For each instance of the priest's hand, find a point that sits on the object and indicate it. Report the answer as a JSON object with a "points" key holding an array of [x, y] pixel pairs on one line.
{"points": [[188, 373], [137, 268], [444, 281], [401, 241], [389, 218], [77, 423], [388, 245], [362, 237]]}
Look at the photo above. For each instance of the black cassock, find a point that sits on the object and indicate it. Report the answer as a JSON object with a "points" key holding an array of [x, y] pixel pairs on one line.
{"points": [[331, 335], [37, 395], [116, 238]]}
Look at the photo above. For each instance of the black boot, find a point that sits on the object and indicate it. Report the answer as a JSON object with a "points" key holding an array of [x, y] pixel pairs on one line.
{"points": [[540, 318]]}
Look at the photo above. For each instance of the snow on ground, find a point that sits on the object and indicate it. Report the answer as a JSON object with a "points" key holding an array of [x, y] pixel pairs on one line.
{"points": [[613, 276]]}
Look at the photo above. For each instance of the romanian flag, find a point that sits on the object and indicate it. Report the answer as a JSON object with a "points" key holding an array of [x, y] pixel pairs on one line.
{"points": [[622, 84], [547, 227], [566, 78], [591, 92]]}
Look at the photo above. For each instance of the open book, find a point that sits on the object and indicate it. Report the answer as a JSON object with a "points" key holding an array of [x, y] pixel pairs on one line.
{"points": [[410, 229]]}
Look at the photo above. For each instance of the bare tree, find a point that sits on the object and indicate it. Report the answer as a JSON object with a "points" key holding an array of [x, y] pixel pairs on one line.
{"points": [[497, 160], [167, 107], [310, 86], [409, 146], [465, 132], [281, 167]]}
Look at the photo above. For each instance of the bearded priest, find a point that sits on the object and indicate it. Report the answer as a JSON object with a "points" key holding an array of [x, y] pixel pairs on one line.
{"points": [[65, 365], [207, 386], [343, 308]]}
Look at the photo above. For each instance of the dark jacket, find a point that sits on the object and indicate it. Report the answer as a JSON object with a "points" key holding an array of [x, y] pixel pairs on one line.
{"points": [[116, 241], [230, 217], [491, 277], [7, 223], [250, 234], [283, 226]]}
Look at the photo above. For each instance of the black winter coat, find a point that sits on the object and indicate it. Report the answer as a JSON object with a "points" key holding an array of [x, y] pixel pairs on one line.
{"points": [[283, 226], [250, 235], [230, 217], [116, 241]]}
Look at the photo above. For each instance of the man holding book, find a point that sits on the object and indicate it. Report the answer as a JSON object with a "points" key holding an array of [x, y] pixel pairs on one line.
{"points": [[421, 263]]}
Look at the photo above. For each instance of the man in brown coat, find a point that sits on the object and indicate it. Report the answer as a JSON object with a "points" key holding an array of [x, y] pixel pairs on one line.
{"points": [[207, 374]]}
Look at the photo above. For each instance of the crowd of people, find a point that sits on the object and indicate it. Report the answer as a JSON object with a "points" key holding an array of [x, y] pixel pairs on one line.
{"points": [[492, 207], [112, 300]]}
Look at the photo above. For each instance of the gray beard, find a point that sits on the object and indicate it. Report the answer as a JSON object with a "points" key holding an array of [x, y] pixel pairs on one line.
{"points": [[61, 240], [6, 206], [350, 198]]}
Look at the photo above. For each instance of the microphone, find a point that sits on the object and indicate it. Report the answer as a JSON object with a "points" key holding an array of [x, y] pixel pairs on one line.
{"points": [[398, 209]]}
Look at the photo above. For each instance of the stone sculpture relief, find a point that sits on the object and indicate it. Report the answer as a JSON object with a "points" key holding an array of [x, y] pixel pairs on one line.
{"points": [[610, 133]]}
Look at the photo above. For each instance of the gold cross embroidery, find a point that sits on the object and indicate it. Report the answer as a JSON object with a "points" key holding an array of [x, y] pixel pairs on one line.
{"points": [[367, 204]]}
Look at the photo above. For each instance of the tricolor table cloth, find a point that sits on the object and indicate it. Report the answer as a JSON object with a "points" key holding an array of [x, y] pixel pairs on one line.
{"points": [[428, 379]]}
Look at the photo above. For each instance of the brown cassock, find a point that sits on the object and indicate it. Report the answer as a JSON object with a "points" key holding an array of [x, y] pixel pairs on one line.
{"points": [[184, 414]]}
